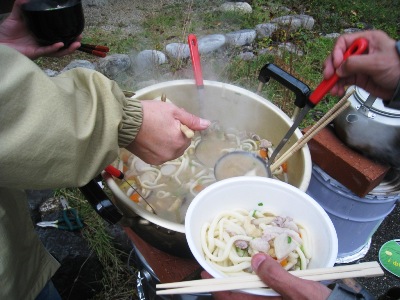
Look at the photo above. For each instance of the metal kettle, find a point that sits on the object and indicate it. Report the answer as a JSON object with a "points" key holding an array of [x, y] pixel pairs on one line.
{"points": [[370, 127]]}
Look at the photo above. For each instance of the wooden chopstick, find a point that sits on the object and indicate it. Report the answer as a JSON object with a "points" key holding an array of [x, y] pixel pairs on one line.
{"points": [[189, 133], [323, 122], [367, 269]]}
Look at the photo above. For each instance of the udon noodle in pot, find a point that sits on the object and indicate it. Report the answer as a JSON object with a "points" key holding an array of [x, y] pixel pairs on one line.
{"points": [[232, 237], [170, 187]]}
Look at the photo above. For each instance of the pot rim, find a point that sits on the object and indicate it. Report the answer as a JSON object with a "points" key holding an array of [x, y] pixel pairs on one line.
{"points": [[139, 210]]}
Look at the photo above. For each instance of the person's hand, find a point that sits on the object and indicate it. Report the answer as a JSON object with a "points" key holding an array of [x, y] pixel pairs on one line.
{"points": [[288, 286], [15, 34], [377, 71], [160, 138]]}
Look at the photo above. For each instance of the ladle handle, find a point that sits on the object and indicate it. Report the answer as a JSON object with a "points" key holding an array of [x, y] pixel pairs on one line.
{"points": [[359, 46], [300, 89], [194, 54], [100, 202]]}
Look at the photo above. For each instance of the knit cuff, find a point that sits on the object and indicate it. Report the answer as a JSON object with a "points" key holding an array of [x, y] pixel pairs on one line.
{"points": [[132, 118]]}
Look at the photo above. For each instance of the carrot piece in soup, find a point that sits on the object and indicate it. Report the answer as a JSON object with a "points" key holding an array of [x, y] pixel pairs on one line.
{"points": [[198, 188], [263, 153], [284, 262], [135, 197]]}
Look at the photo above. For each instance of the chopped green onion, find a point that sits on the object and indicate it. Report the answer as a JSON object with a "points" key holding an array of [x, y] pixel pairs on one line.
{"points": [[289, 239], [260, 204]]}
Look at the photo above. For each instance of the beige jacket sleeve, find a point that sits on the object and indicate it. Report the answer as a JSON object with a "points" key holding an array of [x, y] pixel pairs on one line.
{"points": [[60, 131]]}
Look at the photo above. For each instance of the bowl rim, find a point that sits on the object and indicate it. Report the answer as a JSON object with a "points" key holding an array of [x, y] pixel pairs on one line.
{"points": [[30, 5]]}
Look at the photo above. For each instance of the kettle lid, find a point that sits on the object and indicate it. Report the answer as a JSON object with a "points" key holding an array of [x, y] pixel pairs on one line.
{"points": [[378, 107]]}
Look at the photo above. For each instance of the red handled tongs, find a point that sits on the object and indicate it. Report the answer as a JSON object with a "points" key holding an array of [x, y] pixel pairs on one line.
{"points": [[113, 171], [97, 50], [358, 47]]}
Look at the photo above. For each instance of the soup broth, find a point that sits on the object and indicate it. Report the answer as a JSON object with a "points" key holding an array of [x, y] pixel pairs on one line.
{"points": [[170, 187]]}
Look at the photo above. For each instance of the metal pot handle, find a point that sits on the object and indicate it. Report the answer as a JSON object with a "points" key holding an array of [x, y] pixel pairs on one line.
{"points": [[365, 109], [300, 89], [100, 202]]}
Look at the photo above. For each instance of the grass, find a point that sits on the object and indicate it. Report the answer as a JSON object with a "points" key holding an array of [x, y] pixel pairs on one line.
{"points": [[118, 280], [172, 22]]}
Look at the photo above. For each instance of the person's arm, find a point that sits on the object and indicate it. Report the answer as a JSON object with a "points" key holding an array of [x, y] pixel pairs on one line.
{"points": [[62, 131], [15, 34], [377, 71]]}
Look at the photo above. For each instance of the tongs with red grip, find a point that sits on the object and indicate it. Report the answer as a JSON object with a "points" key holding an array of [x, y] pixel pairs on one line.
{"points": [[113, 171], [309, 100], [97, 50], [359, 46]]}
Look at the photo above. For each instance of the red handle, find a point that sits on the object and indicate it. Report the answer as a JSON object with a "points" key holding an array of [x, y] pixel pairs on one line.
{"points": [[99, 53], [96, 47], [94, 52], [359, 46], [113, 171], [194, 54]]}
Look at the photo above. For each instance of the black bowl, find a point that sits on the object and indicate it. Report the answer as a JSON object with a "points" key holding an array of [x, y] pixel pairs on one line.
{"points": [[52, 21]]}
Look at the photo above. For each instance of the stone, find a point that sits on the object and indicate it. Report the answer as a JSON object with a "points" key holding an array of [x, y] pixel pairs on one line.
{"points": [[241, 37], [352, 30], [241, 7], [51, 73], [246, 56], [79, 64], [79, 276], [295, 22], [289, 47], [112, 65], [148, 59], [178, 50], [210, 43], [80, 273], [333, 35], [266, 30]]}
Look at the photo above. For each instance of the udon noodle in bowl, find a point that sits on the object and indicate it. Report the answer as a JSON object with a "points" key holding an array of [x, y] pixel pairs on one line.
{"points": [[235, 218]]}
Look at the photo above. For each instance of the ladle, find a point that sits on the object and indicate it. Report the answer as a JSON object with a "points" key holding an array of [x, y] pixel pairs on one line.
{"points": [[208, 150], [240, 163]]}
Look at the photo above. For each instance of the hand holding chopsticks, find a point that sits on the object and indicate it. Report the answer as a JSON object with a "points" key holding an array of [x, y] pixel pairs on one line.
{"points": [[97, 50], [367, 269]]}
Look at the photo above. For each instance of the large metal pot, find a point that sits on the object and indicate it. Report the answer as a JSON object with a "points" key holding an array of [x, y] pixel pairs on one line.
{"points": [[234, 107], [371, 128]]}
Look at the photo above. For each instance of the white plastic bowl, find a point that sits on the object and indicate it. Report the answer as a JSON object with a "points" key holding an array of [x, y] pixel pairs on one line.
{"points": [[277, 197]]}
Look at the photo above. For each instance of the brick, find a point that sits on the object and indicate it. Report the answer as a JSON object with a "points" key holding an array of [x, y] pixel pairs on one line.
{"points": [[356, 172]]}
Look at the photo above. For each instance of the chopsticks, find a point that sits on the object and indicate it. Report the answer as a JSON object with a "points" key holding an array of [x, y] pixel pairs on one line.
{"points": [[366, 269], [323, 122], [189, 133], [97, 50]]}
